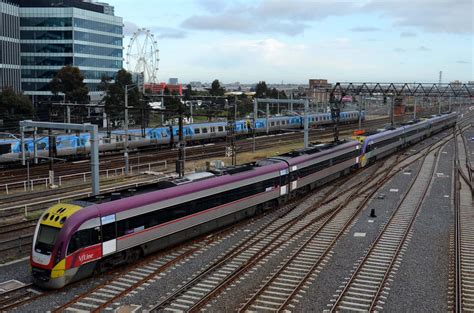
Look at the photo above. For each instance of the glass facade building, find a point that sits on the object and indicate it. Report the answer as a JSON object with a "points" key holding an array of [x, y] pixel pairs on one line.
{"points": [[82, 34], [10, 74]]}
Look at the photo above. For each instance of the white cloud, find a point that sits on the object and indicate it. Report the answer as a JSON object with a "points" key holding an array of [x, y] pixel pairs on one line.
{"points": [[407, 34], [291, 18], [363, 29]]}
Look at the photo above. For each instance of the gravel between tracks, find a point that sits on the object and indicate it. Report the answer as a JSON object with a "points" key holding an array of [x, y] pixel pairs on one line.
{"points": [[421, 282], [350, 248]]}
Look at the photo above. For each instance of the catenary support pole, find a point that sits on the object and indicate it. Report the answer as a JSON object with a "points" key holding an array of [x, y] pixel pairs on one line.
{"points": [[414, 109], [22, 145], [95, 160], [306, 130], [125, 154], [267, 117], [35, 146], [255, 105]]}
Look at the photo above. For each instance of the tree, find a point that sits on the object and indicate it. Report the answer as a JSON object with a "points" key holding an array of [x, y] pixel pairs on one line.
{"points": [[114, 98], [188, 92], [216, 89], [261, 90], [70, 81], [14, 107]]}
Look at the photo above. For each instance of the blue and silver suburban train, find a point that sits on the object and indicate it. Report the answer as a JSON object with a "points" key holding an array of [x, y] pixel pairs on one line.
{"points": [[67, 145], [72, 240]]}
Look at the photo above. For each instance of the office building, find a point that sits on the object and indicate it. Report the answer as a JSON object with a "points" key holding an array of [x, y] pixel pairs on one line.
{"points": [[10, 74], [55, 33], [82, 34]]}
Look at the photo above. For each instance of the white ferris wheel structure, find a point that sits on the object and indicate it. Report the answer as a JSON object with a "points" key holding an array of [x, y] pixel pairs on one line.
{"points": [[143, 55]]}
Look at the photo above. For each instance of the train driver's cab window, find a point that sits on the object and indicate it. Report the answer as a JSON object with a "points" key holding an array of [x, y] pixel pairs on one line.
{"points": [[197, 131], [220, 128]]}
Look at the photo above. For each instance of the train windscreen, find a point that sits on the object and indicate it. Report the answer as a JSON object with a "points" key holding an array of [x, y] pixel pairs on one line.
{"points": [[47, 236]]}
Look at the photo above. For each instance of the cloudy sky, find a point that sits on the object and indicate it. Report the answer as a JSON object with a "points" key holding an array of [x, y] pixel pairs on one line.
{"points": [[294, 40]]}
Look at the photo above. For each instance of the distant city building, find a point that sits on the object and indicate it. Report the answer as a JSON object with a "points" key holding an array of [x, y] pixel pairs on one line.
{"points": [[319, 90], [195, 84], [10, 72], [173, 81], [55, 33], [159, 88]]}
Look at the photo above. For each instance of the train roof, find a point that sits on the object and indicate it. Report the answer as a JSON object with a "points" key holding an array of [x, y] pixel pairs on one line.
{"points": [[104, 204], [316, 148]]}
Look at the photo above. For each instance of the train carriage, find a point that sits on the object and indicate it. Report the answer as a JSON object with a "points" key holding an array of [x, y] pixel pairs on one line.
{"points": [[381, 144], [71, 238], [319, 164], [444, 121], [416, 131]]}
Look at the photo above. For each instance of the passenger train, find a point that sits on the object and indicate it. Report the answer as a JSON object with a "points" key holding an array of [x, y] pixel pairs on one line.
{"points": [[74, 240], [73, 145]]}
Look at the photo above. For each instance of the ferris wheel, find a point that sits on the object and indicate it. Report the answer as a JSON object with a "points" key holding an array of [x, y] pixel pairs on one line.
{"points": [[142, 55]]}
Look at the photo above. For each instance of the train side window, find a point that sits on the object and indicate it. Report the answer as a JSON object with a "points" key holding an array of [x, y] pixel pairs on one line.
{"points": [[213, 129], [204, 130], [272, 124], [130, 225], [197, 131], [5, 148], [84, 238], [108, 232], [220, 128]]}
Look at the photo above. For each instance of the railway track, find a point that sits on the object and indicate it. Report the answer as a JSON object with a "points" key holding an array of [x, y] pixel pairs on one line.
{"points": [[312, 228], [123, 284], [281, 288], [137, 275], [217, 149], [363, 290], [18, 296], [463, 228]]}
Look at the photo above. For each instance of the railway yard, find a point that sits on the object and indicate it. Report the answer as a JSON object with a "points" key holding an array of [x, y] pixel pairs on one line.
{"points": [[392, 236]]}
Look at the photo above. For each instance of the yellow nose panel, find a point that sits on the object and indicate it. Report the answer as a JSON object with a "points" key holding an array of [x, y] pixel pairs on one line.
{"points": [[58, 270], [57, 215]]}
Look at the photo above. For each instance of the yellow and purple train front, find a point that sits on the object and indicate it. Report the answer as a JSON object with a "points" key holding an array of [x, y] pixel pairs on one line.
{"points": [[61, 252]]}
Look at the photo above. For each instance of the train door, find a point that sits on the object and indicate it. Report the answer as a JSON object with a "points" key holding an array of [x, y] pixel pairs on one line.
{"points": [[109, 234], [284, 175], [293, 178]]}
